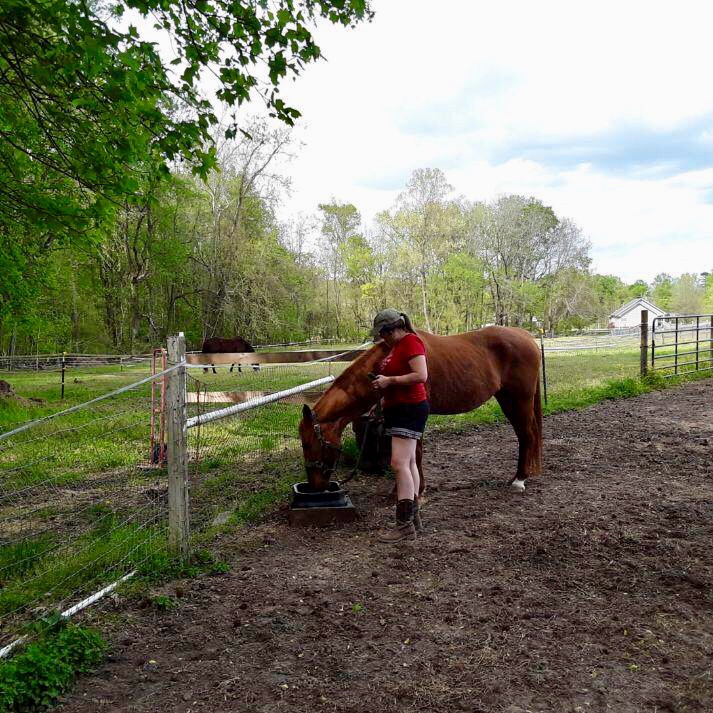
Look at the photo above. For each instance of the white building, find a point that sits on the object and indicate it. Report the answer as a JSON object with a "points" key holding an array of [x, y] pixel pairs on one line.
{"points": [[629, 315]]}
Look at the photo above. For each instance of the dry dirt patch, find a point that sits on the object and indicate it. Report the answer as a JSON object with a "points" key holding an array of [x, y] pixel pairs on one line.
{"points": [[593, 592]]}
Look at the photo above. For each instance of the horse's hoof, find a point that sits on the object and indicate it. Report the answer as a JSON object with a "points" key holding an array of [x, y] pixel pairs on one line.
{"points": [[518, 485]]}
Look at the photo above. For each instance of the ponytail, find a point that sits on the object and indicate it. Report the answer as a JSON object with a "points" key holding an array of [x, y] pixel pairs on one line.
{"points": [[407, 323]]}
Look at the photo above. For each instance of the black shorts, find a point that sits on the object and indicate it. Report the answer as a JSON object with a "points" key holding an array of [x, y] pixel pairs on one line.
{"points": [[406, 420]]}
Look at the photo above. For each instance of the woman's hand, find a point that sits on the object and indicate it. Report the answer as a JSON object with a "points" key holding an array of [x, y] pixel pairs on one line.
{"points": [[382, 382]]}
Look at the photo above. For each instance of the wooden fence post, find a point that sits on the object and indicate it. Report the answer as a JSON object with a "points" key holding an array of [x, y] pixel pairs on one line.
{"points": [[644, 341], [178, 521]]}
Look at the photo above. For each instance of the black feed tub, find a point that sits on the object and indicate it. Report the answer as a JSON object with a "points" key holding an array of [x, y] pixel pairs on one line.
{"points": [[306, 496], [313, 507]]}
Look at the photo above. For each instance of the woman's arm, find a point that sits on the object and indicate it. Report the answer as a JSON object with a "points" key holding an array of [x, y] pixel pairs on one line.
{"points": [[418, 375]]}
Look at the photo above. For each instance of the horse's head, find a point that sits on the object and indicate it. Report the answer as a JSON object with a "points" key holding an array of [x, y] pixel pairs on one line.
{"points": [[321, 445]]}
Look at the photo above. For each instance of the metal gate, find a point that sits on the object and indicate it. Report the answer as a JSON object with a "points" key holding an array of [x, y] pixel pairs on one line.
{"points": [[682, 344]]}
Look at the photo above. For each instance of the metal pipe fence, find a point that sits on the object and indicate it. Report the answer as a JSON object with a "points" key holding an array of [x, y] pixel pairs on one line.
{"points": [[670, 334]]}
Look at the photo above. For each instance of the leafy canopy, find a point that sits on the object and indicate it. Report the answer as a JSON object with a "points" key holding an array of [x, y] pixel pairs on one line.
{"points": [[88, 110]]}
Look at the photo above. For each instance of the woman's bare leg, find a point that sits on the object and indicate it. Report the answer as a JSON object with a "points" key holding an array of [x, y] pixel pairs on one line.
{"points": [[403, 462]]}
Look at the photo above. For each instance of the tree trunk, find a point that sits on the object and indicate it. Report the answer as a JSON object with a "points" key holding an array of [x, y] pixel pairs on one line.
{"points": [[424, 302], [75, 314], [134, 315]]}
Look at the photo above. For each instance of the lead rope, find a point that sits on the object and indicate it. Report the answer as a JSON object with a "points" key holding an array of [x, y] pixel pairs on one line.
{"points": [[361, 451], [377, 413]]}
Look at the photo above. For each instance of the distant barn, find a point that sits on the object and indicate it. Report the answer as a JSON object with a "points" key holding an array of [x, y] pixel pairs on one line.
{"points": [[629, 314]]}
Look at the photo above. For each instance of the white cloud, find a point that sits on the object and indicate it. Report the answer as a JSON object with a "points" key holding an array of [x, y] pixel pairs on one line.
{"points": [[465, 86]]}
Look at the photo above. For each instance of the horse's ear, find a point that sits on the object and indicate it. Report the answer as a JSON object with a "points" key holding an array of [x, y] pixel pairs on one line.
{"points": [[307, 414]]}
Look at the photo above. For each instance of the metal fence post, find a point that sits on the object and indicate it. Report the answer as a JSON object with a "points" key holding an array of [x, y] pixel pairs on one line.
{"points": [[64, 360], [178, 521], [675, 356], [644, 341], [544, 368]]}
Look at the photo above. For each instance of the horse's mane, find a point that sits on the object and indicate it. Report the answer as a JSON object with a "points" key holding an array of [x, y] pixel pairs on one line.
{"points": [[365, 359]]}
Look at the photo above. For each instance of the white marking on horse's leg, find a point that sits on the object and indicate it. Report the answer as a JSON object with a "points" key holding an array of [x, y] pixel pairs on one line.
{"points": [[518, 485]]}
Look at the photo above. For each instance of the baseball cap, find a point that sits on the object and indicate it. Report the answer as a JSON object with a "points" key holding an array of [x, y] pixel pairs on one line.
{"points": [[386, 318]]}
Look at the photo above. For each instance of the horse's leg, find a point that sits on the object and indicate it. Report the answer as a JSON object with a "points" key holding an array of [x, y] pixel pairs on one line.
{"points": [[519, 410], [214, 371]]}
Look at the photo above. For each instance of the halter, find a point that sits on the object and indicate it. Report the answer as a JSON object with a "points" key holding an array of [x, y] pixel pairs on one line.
{"points": [[324, 443]]}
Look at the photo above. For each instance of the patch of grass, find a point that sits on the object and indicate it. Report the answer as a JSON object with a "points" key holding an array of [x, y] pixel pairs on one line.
{"points": [[46, 513], [164, 603], [162, 567], [20, 559], [33, 679], [488, 413], [257, 504], [87, 562]]}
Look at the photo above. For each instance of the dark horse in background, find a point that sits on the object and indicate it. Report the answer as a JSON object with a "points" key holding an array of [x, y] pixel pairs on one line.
{"points": [[464, 371], [218, 345]]}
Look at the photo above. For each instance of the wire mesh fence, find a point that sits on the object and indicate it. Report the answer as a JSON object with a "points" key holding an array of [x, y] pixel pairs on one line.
{"points": [[55, 362], [236, 460], [574, 363], [80, 506], [52, 385]]}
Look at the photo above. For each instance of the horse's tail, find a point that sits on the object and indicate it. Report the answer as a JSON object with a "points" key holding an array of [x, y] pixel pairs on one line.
{"points": [[537, 416]]}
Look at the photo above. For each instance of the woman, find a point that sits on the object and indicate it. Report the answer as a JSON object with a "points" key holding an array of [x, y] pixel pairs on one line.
{"points": [[402, 379]]}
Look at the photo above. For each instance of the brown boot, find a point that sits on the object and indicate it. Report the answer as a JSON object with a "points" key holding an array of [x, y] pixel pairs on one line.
{"points": [[417, 523], [404, 528]]}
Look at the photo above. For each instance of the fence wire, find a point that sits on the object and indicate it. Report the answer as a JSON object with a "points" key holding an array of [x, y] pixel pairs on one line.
{"points": [[54, 362], [574, 363], [80, 506], [234, 459]]}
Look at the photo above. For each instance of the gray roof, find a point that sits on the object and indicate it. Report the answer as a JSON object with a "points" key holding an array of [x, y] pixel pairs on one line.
{"points": [[632, 304]]}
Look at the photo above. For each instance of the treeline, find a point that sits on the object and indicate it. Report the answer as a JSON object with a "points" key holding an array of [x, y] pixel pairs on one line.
{"points": [[129, 209], [211, 258]]}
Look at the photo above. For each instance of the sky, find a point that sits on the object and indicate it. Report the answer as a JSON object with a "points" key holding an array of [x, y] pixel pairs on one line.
{"points": [[604, 112]]}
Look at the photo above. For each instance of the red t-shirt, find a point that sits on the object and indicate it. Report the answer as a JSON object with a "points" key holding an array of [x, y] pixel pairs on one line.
{"points": [[396, 363]]}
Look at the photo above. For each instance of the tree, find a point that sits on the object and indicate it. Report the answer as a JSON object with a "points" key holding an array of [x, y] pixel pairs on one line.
{"points": [[340, 224], [707, 291], [524, 247], [422, 228], [662, 291], [687, 295], [360, 264], [638, 289], [89, 112], [459, 291]]}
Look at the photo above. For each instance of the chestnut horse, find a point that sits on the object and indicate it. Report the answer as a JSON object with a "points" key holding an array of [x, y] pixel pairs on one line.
{"points": [[464, 371]]}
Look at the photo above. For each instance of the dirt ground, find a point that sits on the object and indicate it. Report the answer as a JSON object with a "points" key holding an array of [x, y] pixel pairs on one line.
{"points": [[592, 592]]}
